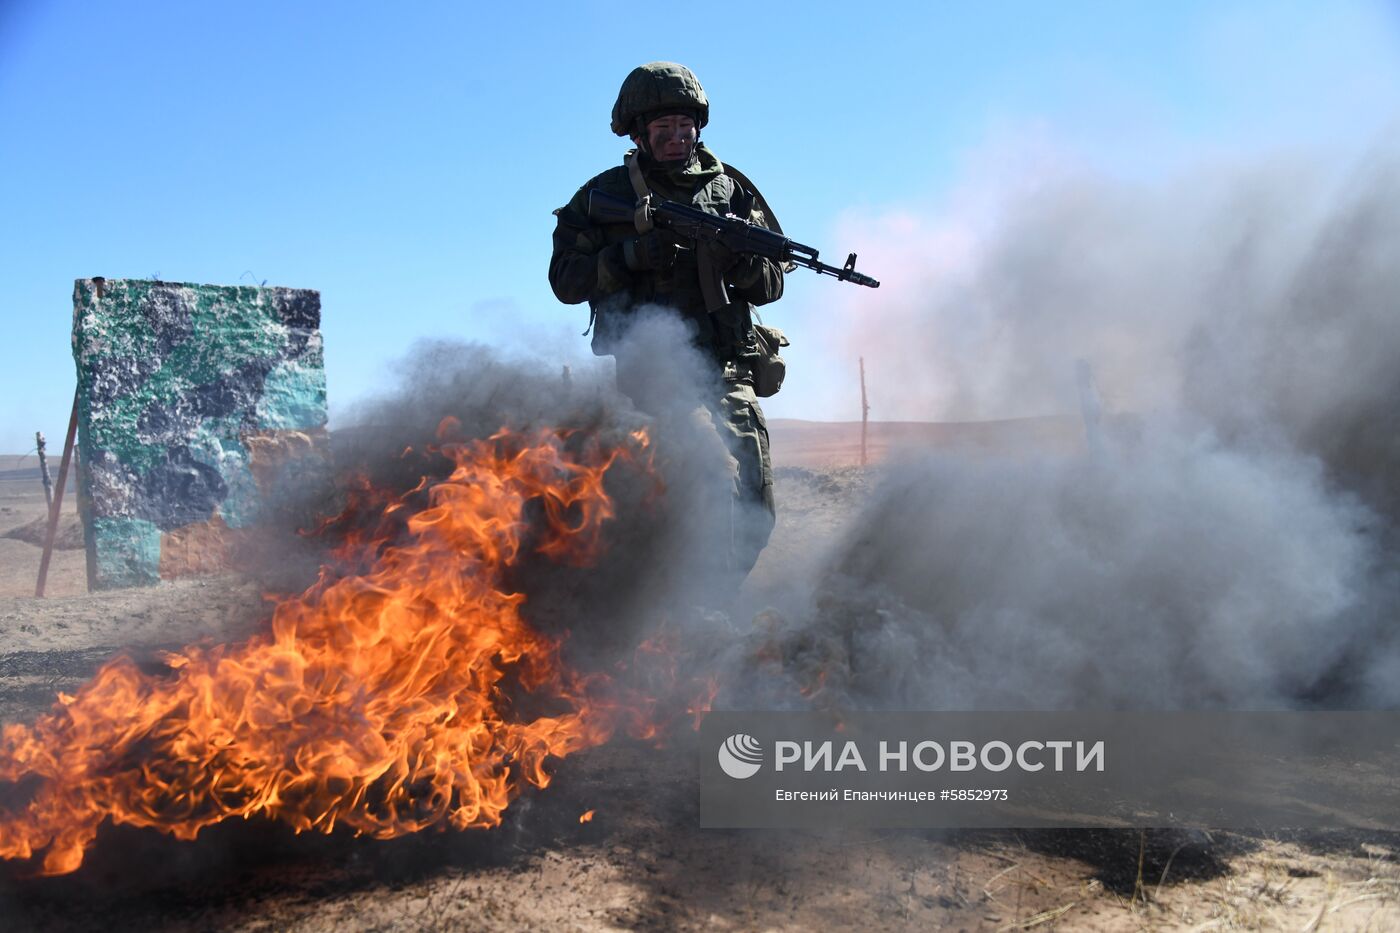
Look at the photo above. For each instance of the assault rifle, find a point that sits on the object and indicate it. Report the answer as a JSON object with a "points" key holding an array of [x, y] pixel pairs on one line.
{"points": [[736, 234]]}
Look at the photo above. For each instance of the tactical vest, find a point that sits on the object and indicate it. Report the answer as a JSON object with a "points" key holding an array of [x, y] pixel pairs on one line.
{"points": [[727, 334]]}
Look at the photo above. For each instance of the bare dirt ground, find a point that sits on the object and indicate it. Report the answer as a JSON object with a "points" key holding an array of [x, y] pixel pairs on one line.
{"points": [[641, 862]]}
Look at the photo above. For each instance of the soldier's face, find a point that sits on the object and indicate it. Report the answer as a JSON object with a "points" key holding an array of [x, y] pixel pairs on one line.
{"points": [[672, 137]]}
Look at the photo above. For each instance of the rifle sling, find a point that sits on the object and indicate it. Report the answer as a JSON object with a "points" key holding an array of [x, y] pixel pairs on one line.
{"points": [[641, 218], [711, 279]]}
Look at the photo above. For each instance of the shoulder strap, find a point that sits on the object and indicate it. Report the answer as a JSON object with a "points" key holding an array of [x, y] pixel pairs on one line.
{"points": [[641, 218]]}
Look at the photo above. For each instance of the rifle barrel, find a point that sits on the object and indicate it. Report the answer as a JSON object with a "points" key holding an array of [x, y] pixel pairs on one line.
{"points": [[845, 275]]}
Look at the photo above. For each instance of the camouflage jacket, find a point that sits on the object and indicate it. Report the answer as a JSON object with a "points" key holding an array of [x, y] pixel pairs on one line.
{"points": [[584, 269]]}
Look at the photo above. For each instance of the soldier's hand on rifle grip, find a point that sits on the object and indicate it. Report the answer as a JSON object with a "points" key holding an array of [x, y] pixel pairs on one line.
{"points": [[722, 256], [747, 272], [650, 251], [742, 270]]}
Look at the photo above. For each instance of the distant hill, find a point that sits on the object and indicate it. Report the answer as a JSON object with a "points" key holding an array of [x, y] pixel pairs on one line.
{"points": [[815, 444], [23, 466]]}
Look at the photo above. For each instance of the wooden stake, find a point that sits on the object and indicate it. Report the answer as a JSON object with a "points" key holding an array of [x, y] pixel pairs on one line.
{"points": [[57, 506], [864, 412], [44, 469], [1090, 406]]}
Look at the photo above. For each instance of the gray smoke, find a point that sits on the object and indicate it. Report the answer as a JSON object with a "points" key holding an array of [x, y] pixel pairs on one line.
{"points": [[1231, 544], [1172, 571], [664, 557], [1311, 350]]}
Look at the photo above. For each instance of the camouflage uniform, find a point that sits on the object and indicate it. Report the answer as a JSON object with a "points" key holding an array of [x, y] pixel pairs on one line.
{"points": [[588, 265]]}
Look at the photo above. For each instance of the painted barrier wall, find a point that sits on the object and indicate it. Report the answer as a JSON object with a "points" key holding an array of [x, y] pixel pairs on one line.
{"points": [[192, 401]]}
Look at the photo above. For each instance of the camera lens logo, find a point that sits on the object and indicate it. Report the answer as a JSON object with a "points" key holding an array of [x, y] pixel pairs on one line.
{"points": [[740, 756]]}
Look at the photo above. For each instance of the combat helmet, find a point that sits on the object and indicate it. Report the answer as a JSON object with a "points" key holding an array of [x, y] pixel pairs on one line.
{"points": [[658, 86]]}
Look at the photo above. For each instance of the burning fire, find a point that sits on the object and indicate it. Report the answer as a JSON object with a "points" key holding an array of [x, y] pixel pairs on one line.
{"points": [[385, 697]]}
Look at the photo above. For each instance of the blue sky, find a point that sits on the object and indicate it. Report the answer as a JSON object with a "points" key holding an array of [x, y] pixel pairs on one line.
{"points": [[404, 158]]}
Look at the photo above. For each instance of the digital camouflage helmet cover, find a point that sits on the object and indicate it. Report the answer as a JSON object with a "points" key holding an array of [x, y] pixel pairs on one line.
{"points": [[657, 87]]}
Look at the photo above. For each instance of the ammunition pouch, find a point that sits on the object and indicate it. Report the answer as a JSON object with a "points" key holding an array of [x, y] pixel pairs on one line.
{"points": [[767, 366]]}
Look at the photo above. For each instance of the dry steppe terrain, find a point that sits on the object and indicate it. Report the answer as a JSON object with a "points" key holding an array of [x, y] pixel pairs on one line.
{"points": [[641, 862]]}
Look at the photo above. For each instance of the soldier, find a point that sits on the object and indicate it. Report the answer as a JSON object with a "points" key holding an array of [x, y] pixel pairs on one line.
{"points": [[618, 268]]}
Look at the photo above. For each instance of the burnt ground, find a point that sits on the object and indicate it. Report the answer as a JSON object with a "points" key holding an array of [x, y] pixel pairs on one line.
{"points": [[641, 862]]}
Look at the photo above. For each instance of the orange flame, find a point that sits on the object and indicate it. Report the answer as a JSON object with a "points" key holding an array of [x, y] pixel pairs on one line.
{"points": [[586, 816], [381, 697]]}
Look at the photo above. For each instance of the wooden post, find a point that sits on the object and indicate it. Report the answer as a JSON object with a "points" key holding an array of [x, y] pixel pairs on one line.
{"points": [[57, 505], [44, 469], [864, 412], [1090, 407]]}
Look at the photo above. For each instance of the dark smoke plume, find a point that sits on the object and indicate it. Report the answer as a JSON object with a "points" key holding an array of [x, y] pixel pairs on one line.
{"points": [[1232, 544], [664, 555]]}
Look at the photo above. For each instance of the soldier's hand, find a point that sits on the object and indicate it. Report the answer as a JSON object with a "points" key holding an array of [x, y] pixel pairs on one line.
{"points": [[722, 256], [650, 251], [740, 269]]}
